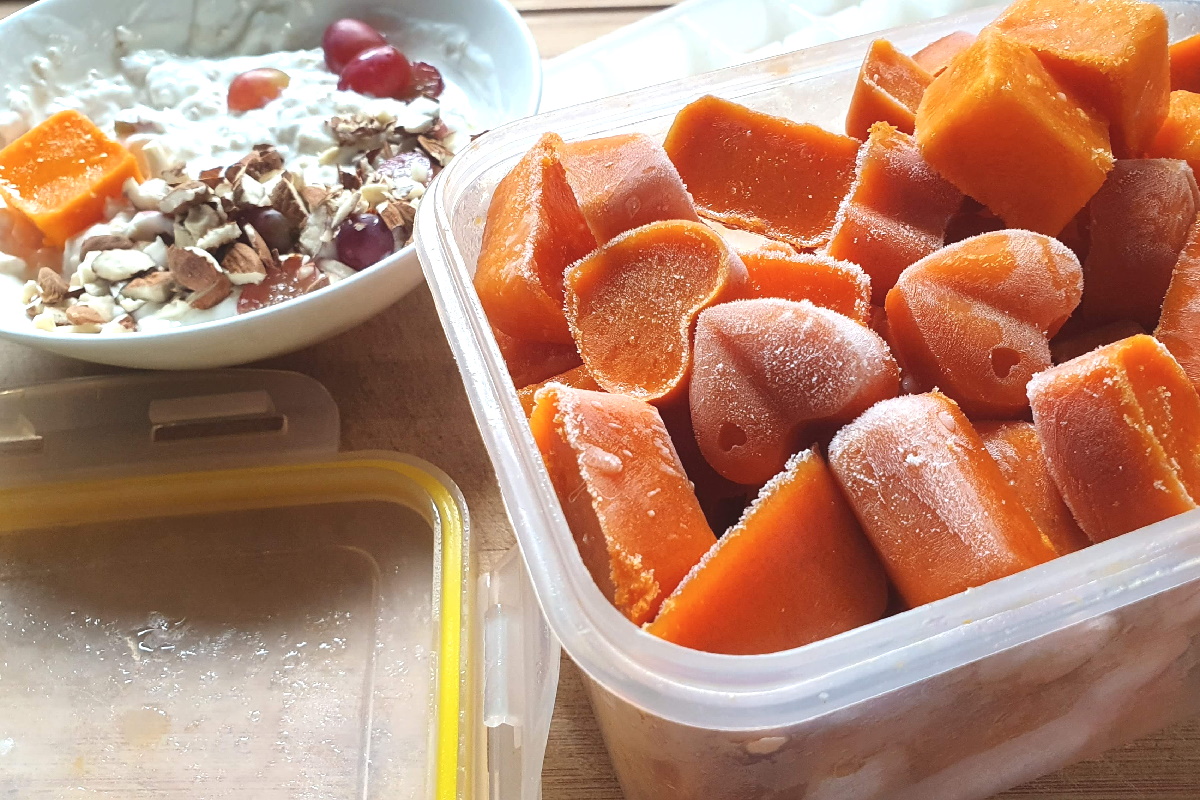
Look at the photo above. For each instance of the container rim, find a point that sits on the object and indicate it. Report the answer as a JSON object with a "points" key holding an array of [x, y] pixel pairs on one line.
{"points": [[748, 693]]}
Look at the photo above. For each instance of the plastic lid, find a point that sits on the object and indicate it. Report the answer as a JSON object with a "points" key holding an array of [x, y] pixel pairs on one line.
{"points": [[200, 597]]}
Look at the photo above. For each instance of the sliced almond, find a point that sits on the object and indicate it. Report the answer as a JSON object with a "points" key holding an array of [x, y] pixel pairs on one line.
{"points": [[397, 214], [212, 177], [436, 149], [262, 161], [185, 196], [157, 287], [259, 245], [286, 199], [243, 265], [219, 236], [121, 265], [313, 196], [105, 242], [195, 269], [317, 231], [53, 287], [84, 315]]}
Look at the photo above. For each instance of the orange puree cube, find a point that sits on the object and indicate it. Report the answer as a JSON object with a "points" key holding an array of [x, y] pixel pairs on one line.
{"points": [[1064, 347], [1121, 431], [623, 491], [632, 302], [624, 182], [783, 273], [1001, 129], [62, 173], [889, 89], [931, 500], [534, 231], [795, 570], [1016, 448], [1179, 136], [765, 174], [1179, 325], [534, 362], [1185, 64], [773, 376], [896, 212], [975, 318], [578, 378], [1140, 220], [936, 56], [1110, 53]]}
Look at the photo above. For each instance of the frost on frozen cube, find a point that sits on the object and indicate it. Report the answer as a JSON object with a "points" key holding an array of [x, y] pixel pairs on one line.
{"points": [[61, 174], [998, 126]]}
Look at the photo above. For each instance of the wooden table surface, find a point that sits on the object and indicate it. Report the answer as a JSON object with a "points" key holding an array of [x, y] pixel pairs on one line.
{"points": [[398, 389]]}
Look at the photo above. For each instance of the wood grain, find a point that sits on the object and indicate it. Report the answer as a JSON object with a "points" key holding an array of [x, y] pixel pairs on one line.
{"points": [[398, 389]]}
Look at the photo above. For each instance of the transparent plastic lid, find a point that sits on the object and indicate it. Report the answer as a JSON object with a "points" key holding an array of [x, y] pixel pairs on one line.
{"points": [[200, 598]]}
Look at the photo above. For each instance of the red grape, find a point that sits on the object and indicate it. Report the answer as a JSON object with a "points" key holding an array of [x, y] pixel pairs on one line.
{"points": [[272, 226], [346, 38], [404, 165], [362, 240], [379, 72], [427, 80], [256, 88]]}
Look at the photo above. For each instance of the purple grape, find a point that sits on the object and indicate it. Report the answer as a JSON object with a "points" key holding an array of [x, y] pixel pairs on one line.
{"points": [[272, 226], [362, 240]]}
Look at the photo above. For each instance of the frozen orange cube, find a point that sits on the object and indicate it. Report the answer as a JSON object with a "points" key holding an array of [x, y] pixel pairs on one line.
{"points": [[534, 230], [1017, 450], [931, 500], [533, 362], [975, 318], [1179, 325], [624, 493], [796, 569], [1121, 431], [1139, 222], [998, 126], [632, 302], [773, 376], [759, 172], [61, 174], [783, 273], [624, 182], [1110, 53], [889, 89], [1185, 64], [896, 211], [577, 378], [936, 56], [1179, 136]]}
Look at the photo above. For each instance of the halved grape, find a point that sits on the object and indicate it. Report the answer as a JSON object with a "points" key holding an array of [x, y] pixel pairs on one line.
{"points": [[255, 88], [427, 80]]}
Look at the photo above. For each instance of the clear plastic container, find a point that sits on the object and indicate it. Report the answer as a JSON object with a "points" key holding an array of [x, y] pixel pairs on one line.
{"points": [[201, 598], [956, 700]]}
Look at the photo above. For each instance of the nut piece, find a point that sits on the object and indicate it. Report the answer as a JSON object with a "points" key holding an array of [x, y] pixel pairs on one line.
{"points": [[249, 192], [84, 315], [212, 177], [436, 149], [195, 269], [314, 195], [262, 161], [397, 215], [219, 236], [259, 245], [105, 242], [53, 287], [243, 265], [185, 196], [317, 230], [287, 200], [120, 265], [146, 195], [156, 287]]}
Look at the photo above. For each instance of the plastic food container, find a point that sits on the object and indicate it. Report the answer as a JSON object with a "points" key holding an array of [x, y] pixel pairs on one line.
{"points": [[201, 598], [955, 700]]}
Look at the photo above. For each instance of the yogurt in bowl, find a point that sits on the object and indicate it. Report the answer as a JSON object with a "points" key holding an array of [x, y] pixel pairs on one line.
{"points": [[307, 197]]}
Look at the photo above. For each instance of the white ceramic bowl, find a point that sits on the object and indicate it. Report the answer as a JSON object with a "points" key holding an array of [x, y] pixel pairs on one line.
{"points": [[84, 30]]}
